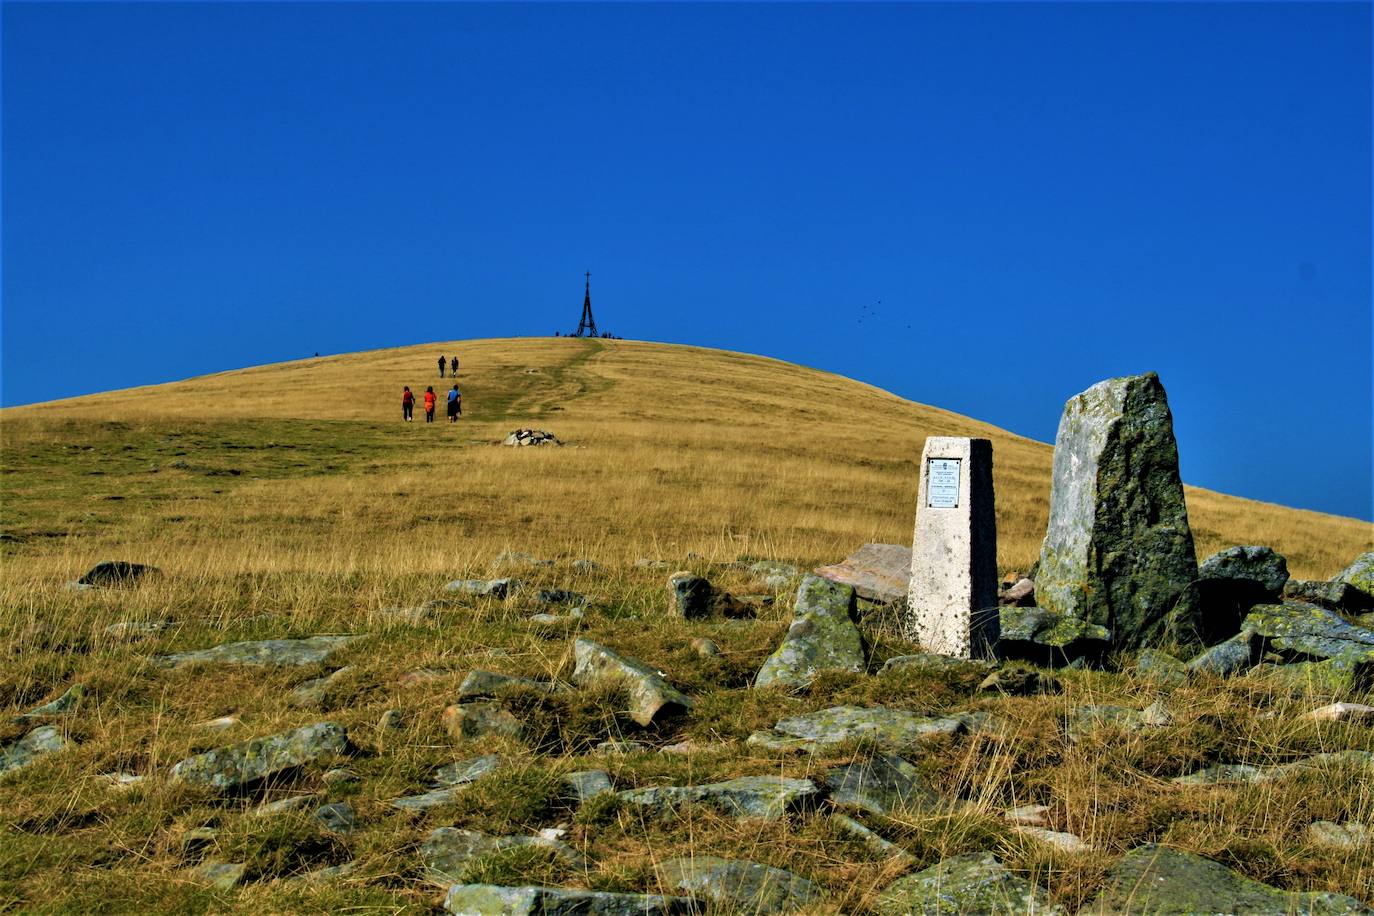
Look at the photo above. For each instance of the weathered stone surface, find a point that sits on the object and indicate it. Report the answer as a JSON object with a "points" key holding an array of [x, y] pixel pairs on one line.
{"points": [[892, 730], [877, 572], [1243, 574], [448, 851], [116, 574], [1329, 676], [220, 723], [263, 653], [1360, 573], [1243, 773], [704, 647], [1020, 681], [560, 596], [42, 740], [237, 766], [871, 840], [223, 875], [466, 721], [1339, 596], [1344, 836], [482, 588], [881, 785], [930, 663], [1311, 630], [1118, 551], [690, 594], [127, 629], [58, 707], [584, 785], [1039, 635], [337, 816], [1058, 839], [1160, 667], [651, 696], [1028, 815], [312, 693], [1020, 593], [283, 805], [1235, 654], [822, 637], [490, 900], [1342, 712], [524, 437], [975, 883], [465, 771], [775, 569], [741, 885], [1168, 882], [481, 683], [768, 797]]}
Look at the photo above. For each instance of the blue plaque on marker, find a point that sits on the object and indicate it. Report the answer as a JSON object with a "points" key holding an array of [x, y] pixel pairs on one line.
{"points": [[942, 483]]}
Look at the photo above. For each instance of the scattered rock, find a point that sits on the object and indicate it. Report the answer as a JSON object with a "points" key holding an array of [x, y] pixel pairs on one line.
{"points": [[822, 637], [773, 569], [1311, 630], [1156, 715], [523, 437], [223, 723], [739, 885], [481, 683], [1019, 594], [1044, 637], [482, 588], [1160, 667], [483, 899], [312, 650], [874, 843], [338, 817], [1118, 551], [1157, 879], [975, 883], [768, 797], [42, 740], [561, 596], [586, 566], [237, 766], [1342, 712], [881, 785], [651, 696], [1232, 581], [466, 721], [1330, 676], [116, 574], [311, 693], [1225, 658], [462, 772], [552, 621], [1338, 596], [877, 572], [1359, 573], [584, 785], [283, 806], [391, 719], [620, 747], [448, 851], [1021, 681], [690, 594], [705, 647], [1345, 836], [223, 875], [1028, 816], [1064, 842], [1243, 772], [58, 707], [340, 776], [892, 730]]}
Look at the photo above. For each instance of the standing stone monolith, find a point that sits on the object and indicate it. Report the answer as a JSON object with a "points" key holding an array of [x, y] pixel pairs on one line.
{"points": [[952, 599], [1118, 551]]}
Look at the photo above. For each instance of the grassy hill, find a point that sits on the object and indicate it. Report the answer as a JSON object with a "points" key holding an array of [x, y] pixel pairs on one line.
{"points": [[289, 500]]}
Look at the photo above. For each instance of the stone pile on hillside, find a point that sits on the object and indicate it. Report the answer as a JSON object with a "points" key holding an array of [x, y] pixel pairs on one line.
{"points": [[531, 437]]}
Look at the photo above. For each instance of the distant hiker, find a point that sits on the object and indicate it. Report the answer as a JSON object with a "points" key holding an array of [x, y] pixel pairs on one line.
{"points": [[407, 404], [453, 367], [429, 404], [455, 404], [442, 363]]}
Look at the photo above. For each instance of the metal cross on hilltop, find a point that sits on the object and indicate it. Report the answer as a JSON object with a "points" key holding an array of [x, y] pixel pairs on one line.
{"points": [[587, 326]]}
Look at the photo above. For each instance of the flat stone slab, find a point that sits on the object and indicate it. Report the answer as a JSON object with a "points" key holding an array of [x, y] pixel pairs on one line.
{"points": [[1311, 630], [449, 781], [768, 797], [1229, 657], [651, 696], [1244, 772], [739, 884], [1168, 882], [975, 883], [1035, 632], [881, 785], [584, 785], [1339, 596], [43, 740], [448, 851], [59, 707], [237, 765], [482, 588], [822, 637], [491, 900], [874, 843], [261, 653], [890, 729], [876, 572]]}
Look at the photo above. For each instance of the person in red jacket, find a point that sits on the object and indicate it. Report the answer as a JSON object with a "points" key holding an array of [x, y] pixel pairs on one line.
{"points": [[407, 404], [429, 404]]}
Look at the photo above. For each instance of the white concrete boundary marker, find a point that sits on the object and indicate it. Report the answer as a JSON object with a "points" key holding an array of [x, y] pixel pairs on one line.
{"points": [[952, 601]]}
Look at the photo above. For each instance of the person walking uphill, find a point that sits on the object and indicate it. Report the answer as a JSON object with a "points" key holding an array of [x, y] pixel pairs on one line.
{"points": [[407, 404], [441, 367], [429, 404], [455, 404]]}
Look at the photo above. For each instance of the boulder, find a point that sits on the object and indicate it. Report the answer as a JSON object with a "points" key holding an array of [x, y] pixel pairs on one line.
{"points": [[739, 885], [466, 721], [448, 851], [975, 883], [691, 595], [1159, 880], [1045, 637], [1359, 573], [822, 637], [891, 730], [524, 437], [768, 797], [881, 785], [1161, 668], [263, 653], [311, 694], [116, 574], [651, 696], [1306, 629], [488, 899], [1232, 581], [584, 785], [1225, 658], [238, 766], [42, 740], [871, 841], [876, 572], [482, 588], [1338, 596], [1329, 676], [1021, 593], [1118, 551], [480, 683], [61, 706]]}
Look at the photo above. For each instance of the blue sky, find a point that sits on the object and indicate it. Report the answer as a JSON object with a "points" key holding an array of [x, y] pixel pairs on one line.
{"points": [[982, 207]]}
